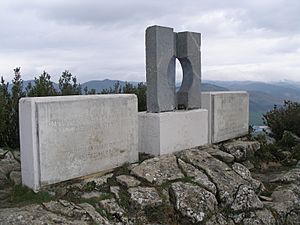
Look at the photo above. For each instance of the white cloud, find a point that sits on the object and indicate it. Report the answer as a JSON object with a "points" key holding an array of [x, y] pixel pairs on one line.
{"points": [[95, 39]]}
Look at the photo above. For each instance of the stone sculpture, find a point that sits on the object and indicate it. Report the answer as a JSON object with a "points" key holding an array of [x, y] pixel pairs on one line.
{"points": [[163, 46]]}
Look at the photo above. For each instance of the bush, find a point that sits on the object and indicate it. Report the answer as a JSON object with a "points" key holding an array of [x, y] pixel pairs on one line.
{"points": [[285, 118]]}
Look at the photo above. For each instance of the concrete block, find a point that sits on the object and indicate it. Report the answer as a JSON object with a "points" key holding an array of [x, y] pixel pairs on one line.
{"points": [[228, 114], [188, 53], [72, 136], [160, 69], [168, 132]]}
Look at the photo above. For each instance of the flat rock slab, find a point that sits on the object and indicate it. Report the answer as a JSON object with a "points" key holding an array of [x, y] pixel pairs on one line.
{"points": [[289, 177], [217, 153], [241, 150], [142, 197], [246, 175], [55, 212], [128, 181], [158, 170], [246, 200], [198, 176], [264, 217], [226, 180], [193, 202]]}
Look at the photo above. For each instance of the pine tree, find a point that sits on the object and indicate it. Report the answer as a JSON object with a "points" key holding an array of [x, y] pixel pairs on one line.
{"points": [[4, 113], [68, 84], [43, 86]]}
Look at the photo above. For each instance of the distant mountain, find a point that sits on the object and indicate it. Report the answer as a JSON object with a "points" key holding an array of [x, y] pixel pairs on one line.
{"points": [[212, 87], [280, 90], [99, 85], [207, 87]]}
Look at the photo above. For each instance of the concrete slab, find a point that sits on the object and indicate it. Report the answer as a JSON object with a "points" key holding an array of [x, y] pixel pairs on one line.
{"points": [[168, 132], [72, 136], [228, 114]]}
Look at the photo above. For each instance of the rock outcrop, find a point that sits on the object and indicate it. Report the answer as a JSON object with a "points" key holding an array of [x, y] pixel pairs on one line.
{"points": [[207, 185]]}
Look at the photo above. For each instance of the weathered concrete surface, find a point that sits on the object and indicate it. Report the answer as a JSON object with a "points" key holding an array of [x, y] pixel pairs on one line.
{"points": [[160, 69], [163, 46], [168, 132], [228, 114], [188, 53], [72, 136]]}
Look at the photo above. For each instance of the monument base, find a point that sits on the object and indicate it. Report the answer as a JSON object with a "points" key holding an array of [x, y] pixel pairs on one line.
{"points": [[168, 132]]}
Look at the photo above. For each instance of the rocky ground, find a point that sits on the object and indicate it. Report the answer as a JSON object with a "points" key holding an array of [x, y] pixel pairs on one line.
{"points": [[207, 185]]}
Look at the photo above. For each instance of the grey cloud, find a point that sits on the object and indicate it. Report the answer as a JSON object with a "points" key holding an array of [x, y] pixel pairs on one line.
{"points": [[99, 39]]}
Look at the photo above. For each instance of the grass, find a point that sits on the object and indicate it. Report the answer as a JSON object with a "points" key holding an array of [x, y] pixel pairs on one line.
{"points": [[22, 194]]}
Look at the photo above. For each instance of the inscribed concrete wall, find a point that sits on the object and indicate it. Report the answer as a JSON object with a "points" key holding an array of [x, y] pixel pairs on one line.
{"points": [[71, 136], [228, 114], [168, 132]]}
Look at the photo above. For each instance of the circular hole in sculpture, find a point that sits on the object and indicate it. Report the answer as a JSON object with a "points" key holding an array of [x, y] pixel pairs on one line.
{"points": [[178, 75]]}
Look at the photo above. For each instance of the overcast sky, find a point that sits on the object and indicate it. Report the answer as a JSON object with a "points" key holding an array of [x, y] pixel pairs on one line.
{"points": [[95, 39]]}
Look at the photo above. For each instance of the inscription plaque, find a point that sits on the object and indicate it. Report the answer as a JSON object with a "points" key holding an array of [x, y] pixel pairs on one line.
{"points": [[71, 136]]}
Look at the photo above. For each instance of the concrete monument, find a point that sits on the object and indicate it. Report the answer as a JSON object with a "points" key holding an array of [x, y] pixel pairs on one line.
{"points": [[163, 46], [228, 114], [163, 130], [71, 136]]}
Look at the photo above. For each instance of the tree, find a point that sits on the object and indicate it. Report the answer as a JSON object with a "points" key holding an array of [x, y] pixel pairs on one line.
{"points": [[4, 113], [140, 91], [43, 86], [142, 97], [16, 94], [285, 118], [89, 92], [68, 84]]}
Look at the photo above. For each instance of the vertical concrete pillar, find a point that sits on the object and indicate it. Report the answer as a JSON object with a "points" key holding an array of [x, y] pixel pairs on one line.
{"points": [[160, 69], [189, 55]]}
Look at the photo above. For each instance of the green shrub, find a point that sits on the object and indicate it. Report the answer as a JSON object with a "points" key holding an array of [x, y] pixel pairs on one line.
{"points": [[285, 118]]}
